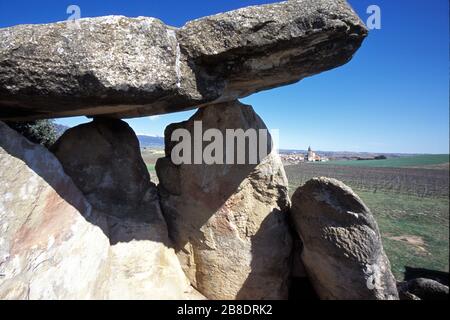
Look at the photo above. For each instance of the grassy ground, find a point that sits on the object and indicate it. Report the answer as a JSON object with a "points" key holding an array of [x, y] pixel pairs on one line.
{"points": [[415, 230], [416, 161]]}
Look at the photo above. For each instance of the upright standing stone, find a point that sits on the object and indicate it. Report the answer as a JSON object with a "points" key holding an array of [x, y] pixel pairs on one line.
{"points": [[228, 221], [103, 158], [51, 242], [342, 249]]}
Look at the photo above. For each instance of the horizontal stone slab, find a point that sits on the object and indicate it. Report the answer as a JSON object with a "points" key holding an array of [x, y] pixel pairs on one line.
{"points": [[129, 67]]}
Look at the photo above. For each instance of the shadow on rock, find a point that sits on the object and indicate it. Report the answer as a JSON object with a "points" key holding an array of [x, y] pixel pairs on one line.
{"points": [[414, 273], [103, 159], [228, 221]]}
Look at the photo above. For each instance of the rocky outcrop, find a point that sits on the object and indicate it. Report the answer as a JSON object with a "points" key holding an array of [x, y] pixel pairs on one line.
{"points": [[423, 289], [89, 223], [342, 250], [228, 221], [436, 275], [130, 67], [51, 245], [104, 160]]}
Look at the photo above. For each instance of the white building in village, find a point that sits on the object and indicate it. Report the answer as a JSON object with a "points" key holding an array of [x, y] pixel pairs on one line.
{"points": [[311, 156]]}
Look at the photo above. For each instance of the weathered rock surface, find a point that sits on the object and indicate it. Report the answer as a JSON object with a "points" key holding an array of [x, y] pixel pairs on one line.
{"points": [[50, 244], [342, 250], [423, 289], [412, 273], [104, 160], [107, 65], [263, 47], [129, 67], [228, 222]]}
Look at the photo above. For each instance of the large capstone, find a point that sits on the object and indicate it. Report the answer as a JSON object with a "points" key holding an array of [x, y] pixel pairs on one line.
{"points": [[130, 67], [228, 221]]}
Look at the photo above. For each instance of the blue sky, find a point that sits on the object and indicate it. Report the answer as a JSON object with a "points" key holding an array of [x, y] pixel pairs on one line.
{"points": [[392, 97]]}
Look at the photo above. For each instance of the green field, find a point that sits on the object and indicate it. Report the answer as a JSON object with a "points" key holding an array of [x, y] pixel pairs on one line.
{"points": [[415, 230], [400, 162], [151, 168]]}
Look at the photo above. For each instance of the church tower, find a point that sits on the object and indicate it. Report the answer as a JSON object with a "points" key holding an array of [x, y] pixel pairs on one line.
{"points": [[311, 155]]}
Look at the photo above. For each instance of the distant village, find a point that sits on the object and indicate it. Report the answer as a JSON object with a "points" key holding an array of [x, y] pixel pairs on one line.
{"points": [[296, 158]]}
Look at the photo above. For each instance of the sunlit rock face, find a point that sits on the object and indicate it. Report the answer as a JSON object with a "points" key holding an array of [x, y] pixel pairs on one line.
{"points": [[103, 158], [228, 221], [55, 245], [131, 67], [51, 242]]}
